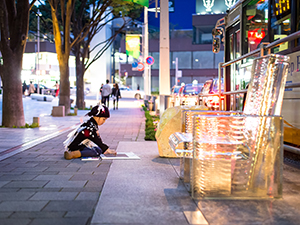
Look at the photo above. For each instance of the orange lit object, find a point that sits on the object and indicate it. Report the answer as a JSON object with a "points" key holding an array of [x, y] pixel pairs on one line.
{"points": [[215, 99], [281, 6], [254, 37]]}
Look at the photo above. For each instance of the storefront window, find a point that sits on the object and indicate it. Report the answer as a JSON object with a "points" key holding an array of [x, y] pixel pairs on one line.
{"points": [[202, 35], [231, 47], [255, 24], [155, 55], [184, 59], [203, 60], [280, 22], [238, 44], [298, 21], [218, 58]]}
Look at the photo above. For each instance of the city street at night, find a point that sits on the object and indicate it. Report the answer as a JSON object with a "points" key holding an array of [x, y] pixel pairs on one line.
{"points": [[38, 186], [149, 112]]}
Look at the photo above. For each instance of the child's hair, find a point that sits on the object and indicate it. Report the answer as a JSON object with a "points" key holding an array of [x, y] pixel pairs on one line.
{"points": [[99, 111]]}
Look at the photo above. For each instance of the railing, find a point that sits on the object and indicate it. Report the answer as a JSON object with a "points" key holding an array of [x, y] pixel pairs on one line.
{"points": [[263, 47]]}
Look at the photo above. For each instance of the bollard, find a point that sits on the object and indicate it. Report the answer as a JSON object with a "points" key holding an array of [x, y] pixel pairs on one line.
{"points": [[36, 120], [75, 111]]}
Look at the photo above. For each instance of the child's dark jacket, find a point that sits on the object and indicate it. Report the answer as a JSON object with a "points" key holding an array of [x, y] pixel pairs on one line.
{"points": [[84, 135]]}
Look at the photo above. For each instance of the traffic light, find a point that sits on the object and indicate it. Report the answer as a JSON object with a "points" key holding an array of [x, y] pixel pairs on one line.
{"points": [[217, 31], [216, 45]]}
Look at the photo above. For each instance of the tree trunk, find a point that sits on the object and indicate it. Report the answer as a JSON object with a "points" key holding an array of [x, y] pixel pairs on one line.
{"points": [[12, 103], [79, 83], [64, 87]]}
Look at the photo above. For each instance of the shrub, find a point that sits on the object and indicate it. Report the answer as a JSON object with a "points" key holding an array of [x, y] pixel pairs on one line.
{"points": [[33, 125], [150, 127]]}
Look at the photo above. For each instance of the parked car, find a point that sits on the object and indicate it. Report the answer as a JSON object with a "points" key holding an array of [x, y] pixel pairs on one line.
{"points": [[189, 94], [174, 93], [212, 87], [175, 89], [43, 89], [177, 96], [127, 92], [74, 89]]}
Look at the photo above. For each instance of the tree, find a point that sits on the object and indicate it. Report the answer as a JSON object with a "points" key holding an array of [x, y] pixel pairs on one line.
{"points": [[85, 25], [61, 12], [14, 20]]}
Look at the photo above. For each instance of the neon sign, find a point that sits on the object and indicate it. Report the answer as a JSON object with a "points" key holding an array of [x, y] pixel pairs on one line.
{"points": [[230, 3], [208, 4], [281, 6]]}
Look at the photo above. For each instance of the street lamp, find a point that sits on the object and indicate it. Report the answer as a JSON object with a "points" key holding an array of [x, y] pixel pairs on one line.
{"points": [[38, 50]]}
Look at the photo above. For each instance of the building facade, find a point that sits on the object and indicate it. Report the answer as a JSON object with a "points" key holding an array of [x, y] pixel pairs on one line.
{"points": [[42, 67], [191, 25]]}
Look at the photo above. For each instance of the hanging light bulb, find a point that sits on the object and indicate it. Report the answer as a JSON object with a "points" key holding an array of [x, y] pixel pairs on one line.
{"points": [[208, 4]]}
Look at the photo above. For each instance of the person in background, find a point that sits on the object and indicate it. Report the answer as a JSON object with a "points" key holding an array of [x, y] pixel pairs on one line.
{"points": [[85, 141], [56, 88], [24, 87], [115, 93], [101, 97], [31, 88], [138, 87], [106, 91]]}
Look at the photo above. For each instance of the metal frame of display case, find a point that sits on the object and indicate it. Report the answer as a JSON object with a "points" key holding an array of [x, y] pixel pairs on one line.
{"points": [[264, 98]]}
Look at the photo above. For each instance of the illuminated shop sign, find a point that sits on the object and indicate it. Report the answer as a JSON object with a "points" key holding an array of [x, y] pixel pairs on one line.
{"points": [[281, 6], [254, 38], [133, 45], [208, 4], [213, 6], [230, 3]]}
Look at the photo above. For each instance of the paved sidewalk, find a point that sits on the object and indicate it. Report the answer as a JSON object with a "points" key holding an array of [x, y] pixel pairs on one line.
{"points": [[16, 140], [38, 186], [149, 191], [145, 191]]}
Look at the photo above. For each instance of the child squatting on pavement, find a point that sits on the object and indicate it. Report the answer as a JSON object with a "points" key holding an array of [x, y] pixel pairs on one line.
{"points": [[85, 140]]}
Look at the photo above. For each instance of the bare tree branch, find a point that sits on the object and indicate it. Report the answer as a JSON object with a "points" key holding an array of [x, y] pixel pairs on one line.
{"points": [[32, 4], [109, 41]]}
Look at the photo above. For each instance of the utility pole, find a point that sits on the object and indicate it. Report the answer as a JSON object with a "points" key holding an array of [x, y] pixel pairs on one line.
{"points": [[176, 72], [147, 85], [147, 70], [164, 54], [38, 50]]}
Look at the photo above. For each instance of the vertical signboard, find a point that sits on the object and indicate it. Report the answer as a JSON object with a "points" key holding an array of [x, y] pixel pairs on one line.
{"points": [[133, 45]]}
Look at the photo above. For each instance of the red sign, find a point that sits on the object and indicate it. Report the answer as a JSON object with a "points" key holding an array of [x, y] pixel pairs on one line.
{"points": [[140, 66], [150, 60]]}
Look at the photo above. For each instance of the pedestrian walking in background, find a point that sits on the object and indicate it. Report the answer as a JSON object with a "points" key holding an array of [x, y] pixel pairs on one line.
{"points": [[115, 93], [101, 97], [24, 87], [56, 88], [85, 141], [31, 88], [106, 91], [138, 87]]}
